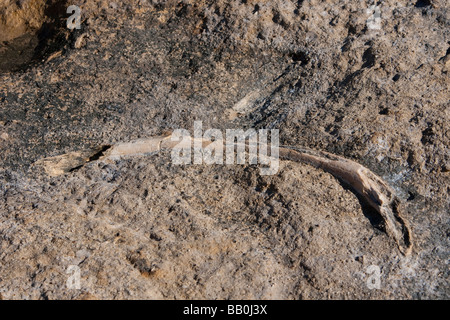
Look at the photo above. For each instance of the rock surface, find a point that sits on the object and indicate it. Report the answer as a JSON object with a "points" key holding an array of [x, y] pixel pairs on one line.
{"points": [[367, 83]]}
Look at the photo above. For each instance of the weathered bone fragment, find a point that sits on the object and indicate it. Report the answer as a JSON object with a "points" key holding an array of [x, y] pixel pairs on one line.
{"points": [[367, 184], [371, 187]]}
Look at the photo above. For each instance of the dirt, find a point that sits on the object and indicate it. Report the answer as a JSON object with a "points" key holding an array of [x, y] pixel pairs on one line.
{"points": [[329, 77]]}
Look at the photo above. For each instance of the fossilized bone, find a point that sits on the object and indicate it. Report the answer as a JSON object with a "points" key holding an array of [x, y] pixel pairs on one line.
{"points": [[367, 184]]}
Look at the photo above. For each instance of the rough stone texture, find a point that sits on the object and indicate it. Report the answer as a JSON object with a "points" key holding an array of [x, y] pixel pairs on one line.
{"points": [[141, 227]]}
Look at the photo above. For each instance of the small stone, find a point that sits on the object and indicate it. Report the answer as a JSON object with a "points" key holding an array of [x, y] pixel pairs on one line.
{"points": [[447, 61], [80, 42]]}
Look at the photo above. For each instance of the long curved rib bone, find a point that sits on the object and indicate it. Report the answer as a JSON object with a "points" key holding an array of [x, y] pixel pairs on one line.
{"points": [[371, 187]]}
